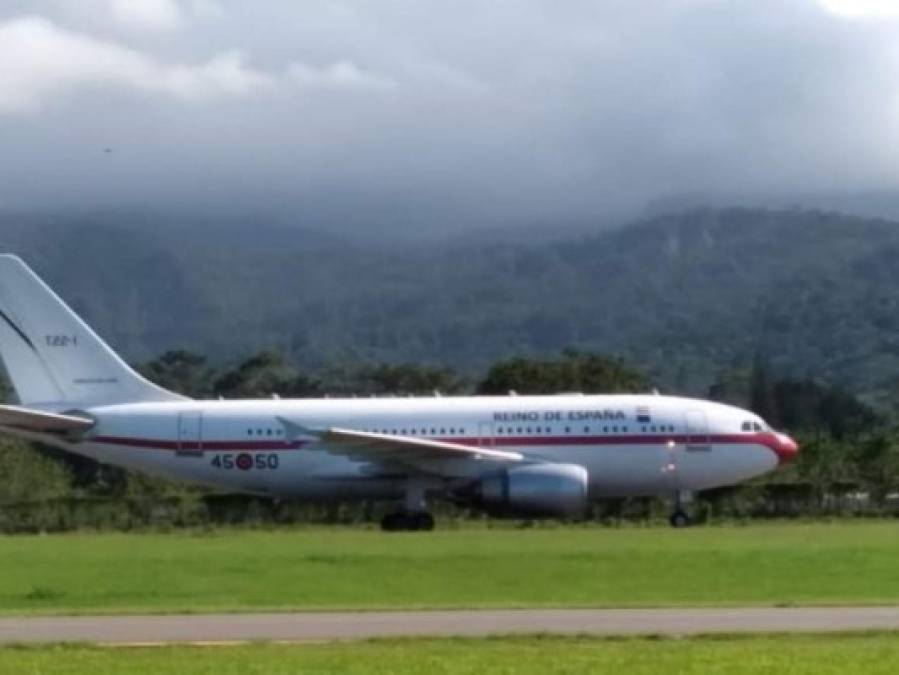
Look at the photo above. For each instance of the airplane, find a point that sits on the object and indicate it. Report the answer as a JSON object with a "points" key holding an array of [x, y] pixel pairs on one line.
{"points": [[530, 456]]}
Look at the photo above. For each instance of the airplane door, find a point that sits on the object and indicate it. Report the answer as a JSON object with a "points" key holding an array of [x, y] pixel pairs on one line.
{"points": [[486, 438], [697, 430], [190, 434]]}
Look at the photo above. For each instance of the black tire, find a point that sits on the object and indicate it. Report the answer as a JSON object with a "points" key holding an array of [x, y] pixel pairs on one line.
{"points": [[423, 521], [393, 522], [679, 519]]}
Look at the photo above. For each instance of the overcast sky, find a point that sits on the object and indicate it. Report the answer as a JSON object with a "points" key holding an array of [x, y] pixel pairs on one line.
{"points": [[441, 113]]}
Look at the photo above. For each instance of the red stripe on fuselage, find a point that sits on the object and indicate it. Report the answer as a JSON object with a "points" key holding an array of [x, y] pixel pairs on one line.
{"points": [[162, 444], [767, 440]]}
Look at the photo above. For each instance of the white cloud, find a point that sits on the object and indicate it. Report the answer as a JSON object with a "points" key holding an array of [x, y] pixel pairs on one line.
{"points": [[147, 14], [41, 60], [205, 9], [858, 9], [341, 74], [520, 108]]}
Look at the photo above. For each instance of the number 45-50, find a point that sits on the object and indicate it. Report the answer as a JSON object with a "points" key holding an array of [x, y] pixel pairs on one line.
{"points": [[244, 461]]}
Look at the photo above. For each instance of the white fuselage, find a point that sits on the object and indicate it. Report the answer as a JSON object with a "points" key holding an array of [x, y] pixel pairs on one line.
{"points": [[631, 445]]}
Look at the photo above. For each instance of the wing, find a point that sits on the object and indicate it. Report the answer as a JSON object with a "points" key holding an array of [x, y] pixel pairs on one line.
{"points": [[26, 419], [363, 445]]}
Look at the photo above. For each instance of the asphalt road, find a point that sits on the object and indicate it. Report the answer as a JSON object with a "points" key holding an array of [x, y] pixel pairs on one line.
{"points": [[360, 625]]}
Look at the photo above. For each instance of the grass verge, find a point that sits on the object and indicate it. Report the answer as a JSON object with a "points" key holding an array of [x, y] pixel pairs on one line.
{"points": [[228, 570], [871, 654]]}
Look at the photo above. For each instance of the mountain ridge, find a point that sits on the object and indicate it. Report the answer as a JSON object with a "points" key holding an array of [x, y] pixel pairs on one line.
{"points": [[683, 295]]}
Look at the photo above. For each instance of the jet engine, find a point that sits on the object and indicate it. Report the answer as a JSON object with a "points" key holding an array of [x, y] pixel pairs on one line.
{"points": [[535, 489]]}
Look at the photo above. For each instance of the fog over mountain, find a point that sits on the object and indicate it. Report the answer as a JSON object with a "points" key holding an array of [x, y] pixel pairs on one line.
{"points": [[425, 116]]}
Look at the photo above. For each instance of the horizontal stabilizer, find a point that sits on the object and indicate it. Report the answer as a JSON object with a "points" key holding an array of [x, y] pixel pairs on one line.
{"points": [[15, 417]]}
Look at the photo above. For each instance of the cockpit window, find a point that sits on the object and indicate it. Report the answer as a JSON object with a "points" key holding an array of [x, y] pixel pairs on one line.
{"points": [[757, 427], [747, 426]]}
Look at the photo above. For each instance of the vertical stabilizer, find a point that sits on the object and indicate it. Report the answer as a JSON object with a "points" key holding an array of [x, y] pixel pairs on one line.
{"points": [[53, 358]]}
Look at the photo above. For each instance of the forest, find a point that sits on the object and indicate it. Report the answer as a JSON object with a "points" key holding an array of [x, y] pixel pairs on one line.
{"points": [[685, 297]]}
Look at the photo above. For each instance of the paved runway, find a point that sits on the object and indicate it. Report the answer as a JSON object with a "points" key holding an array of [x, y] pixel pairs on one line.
{"points": [[359, 625]]}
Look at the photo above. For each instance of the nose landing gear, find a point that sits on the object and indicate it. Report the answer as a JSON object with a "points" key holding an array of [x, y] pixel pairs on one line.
{"points": [[679, 517]]}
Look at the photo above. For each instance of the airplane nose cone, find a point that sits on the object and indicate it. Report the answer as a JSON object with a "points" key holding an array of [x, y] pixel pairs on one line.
{"points": [[785, 448]]}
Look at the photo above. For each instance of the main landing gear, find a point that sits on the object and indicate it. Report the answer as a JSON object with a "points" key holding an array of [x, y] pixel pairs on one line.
{"points": [[680, 517], [414, 517], [406, 521]]}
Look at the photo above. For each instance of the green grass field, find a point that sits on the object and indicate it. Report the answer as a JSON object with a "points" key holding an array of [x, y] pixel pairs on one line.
{"points": [[239, 570], [818, 655]]}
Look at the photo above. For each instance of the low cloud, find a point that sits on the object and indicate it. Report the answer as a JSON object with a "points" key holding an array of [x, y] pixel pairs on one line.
{"points": [[147, 14], [351, 112], [342, 74], [41, 60]]}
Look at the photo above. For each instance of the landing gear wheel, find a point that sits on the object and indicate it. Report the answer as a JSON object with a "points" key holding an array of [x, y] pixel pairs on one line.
{"points": [[679, 519], [393, 522], [401, 521], [422, 521]]}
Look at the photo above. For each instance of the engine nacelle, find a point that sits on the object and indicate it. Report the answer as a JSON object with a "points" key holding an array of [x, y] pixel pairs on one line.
{"points": [[536, 490]]}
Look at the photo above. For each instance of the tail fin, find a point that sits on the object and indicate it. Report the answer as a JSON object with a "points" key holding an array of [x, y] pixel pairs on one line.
{"points": [[53, 358]]}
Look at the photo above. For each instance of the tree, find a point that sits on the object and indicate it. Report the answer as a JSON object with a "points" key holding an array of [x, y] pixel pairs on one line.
{"points": [[876, 458], [823, 463], [263, 375], [6, 391], [406, 378], [760, 393], [574, 371], [805, 404], [28, 475], [182, 371]]}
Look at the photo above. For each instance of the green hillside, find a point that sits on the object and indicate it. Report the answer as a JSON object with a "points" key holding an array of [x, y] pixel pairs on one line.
{"points": [[683, 296]]}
